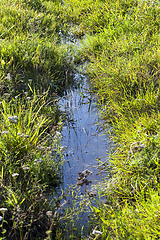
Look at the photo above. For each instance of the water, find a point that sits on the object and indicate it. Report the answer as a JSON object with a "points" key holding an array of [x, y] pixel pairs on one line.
{"points": [[88, 145], [87, 142]]}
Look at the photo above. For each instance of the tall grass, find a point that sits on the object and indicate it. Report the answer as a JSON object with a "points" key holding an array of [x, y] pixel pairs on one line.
{"points": [[120, 41], [31, 171], [30, 165], [29, 46], [32, 73]]}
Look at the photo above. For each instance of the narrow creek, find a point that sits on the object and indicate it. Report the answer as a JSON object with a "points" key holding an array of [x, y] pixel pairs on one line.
{"points": [[87, 143], [87, 148], [84, 136]]}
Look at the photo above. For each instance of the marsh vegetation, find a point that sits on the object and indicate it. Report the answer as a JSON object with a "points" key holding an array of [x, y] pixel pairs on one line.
{"points": [[119, 42]]}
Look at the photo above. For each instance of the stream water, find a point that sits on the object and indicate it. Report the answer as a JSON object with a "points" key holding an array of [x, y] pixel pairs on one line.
{"points": [[87, 149], [87, 142]]}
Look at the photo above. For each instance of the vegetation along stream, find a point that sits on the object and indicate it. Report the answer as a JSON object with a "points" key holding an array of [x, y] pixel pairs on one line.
{"points": [[79, 119]]}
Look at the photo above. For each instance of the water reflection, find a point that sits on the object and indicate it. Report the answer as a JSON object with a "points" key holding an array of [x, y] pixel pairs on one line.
{"points": [[83, 135]]}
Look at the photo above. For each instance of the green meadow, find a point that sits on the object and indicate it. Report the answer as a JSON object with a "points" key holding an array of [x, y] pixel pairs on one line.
{"points": [[119, 42], [32, 74]]}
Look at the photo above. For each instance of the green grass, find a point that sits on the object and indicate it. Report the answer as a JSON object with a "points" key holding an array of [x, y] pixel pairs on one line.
{"points": [[121, 43], [30, 165], [29, 49], [32, 73], [138, 221]]}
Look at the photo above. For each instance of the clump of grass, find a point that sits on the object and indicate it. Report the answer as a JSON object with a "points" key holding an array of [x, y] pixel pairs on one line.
{"points": [[30, 165], [131, 221], [83, 17], [29, 47], [131, 209]]}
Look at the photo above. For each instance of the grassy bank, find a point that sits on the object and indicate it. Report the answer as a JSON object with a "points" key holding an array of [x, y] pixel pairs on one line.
{"points": [[121, 42], [33, 70], [29, 49], [30, 165]]}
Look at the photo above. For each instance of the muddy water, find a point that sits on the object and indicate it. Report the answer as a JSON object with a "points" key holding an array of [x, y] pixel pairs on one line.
{"points": [[84, 136]]}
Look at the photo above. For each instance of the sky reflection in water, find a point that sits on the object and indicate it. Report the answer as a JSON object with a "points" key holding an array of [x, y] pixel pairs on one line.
{"points": [[84, 136]]}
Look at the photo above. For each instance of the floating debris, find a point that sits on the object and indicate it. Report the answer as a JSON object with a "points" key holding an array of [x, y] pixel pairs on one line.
{"points": [[15, 174], [79, 178], [91, 194], [86, 181], [80, 183], [82, 179], [97, 232], [85, 173]]}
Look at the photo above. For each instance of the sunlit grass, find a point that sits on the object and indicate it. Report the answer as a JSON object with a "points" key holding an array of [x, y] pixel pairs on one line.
{"points": [[29, 48], [131, 221], [120, 41], [30, 163]]}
